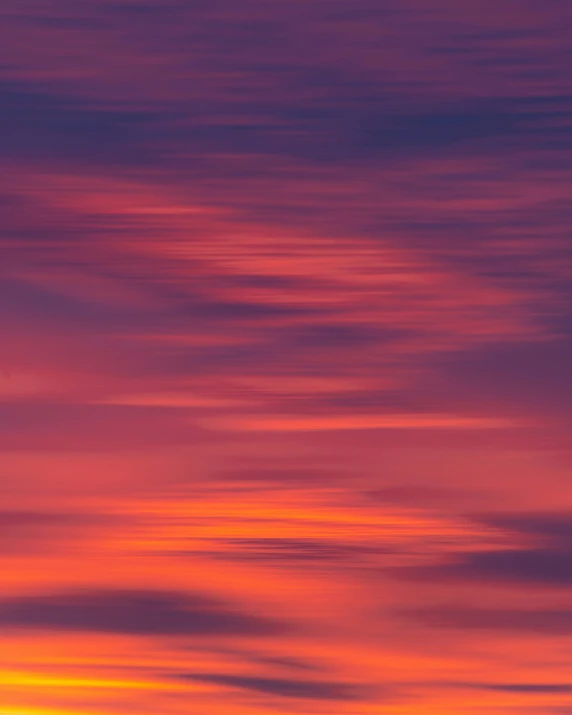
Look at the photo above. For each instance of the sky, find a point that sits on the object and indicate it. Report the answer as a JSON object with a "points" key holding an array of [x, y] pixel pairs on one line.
{"points": [[285, 389]]}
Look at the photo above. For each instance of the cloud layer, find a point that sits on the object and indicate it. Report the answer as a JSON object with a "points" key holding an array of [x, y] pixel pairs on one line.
{"points": [[284, 388]]}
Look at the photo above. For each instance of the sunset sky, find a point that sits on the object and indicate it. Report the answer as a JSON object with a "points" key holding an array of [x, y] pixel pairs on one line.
{"points": [[286, 357]]}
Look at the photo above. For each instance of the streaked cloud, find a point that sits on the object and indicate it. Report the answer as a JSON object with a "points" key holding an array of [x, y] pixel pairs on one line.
{"points": [[135, 613], [284, 383]]}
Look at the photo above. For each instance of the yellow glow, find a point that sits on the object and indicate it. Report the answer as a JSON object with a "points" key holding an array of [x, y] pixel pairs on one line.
{"points": [[17, 679]]}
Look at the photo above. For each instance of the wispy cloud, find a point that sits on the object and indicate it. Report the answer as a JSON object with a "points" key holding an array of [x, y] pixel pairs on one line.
{"points": [[284, 384]]}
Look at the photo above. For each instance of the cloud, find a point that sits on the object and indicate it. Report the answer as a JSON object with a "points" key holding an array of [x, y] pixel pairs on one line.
{"points": [[296, 476], [140, 613], [295, 423], [284, 550], [38, 124], [59, 306], [285, 662], [524, 375], [554, 527], [541, 552], [550, 621], [284, 687], [541, 566], [355, 254]]}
